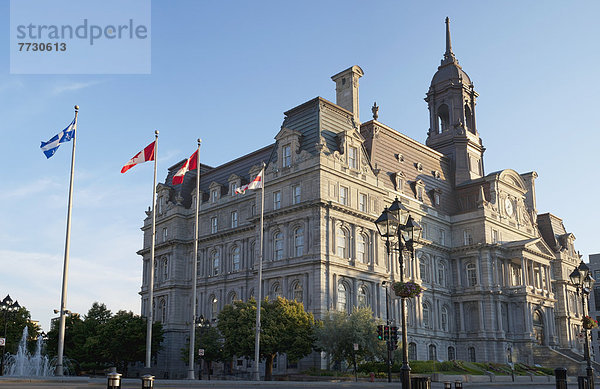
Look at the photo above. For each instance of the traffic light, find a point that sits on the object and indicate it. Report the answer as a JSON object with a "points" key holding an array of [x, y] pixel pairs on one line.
{"points": [[386, 332], [394, 333], [380, 332]]}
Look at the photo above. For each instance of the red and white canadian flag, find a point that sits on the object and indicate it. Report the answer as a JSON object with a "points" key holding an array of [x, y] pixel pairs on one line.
{"points": [[143, 156], [190, 164], [255, 184]]}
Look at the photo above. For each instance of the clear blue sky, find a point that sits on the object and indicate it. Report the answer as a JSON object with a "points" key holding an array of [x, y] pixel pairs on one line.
{"points": [[226, 72]]}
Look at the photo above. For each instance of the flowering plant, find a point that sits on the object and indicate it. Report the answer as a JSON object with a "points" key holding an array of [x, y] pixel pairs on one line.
{"points": [[589, 323], [407, 289]]}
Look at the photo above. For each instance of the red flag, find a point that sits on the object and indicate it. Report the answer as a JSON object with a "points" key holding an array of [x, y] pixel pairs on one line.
{"points": [[255, 184], [143, 156], [190, 164]]}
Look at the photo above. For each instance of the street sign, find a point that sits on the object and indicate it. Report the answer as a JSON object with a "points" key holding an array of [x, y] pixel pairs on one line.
{"points": [[355, 346], [201, 352], [2, 342]]}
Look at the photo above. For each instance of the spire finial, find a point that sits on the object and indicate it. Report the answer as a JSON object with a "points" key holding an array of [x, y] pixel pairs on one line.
{"points": [[448, 55], [448, 41]]}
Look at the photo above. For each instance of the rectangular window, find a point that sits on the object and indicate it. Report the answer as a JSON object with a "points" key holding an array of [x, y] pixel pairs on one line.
{"points": [[468, 239], [232, 187], [234, 219], [597, 298], [424, 232], [214, 196], [161, 205], [193, 201], [343, 195], [442, 237], [436, 199], [420, 193], [362, 202], [213, 225], [276, 200], [287, 156], [165, 234], [494, 236], [352, 154], [296, 194]]}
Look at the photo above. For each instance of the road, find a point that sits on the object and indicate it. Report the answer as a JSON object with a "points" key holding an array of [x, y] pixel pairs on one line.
{"points": [[89, 383]]}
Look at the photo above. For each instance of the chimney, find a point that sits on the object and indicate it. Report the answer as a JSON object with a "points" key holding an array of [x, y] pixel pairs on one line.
{"points": [[346, 89]]}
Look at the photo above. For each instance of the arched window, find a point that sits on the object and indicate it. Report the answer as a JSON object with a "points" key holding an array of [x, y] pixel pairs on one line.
{"points": [[341, 243], [363, 297], [469, 118], [215, 260], [232, 297], [426, 315], [214, 307], [425, 269], [275, 291], [165, 269], [412, 351], [362, 248], [278, 246], [451, 353], [471, 274], [235, 258], [156, 271], [443, 118], [432, 352], [441, 273], [297, 292], [342, 298], [299, 241], [444, 319], [472, 354], [163, 310]]}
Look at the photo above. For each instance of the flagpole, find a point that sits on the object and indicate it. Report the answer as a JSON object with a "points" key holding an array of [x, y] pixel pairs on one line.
{"points": [[191, 374], [259, 298], [150, 304], [63, 299]]}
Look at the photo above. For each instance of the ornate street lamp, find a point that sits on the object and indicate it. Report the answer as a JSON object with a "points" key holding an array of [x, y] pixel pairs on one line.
{"points": [[583, 281], [7, 306], [390, 226]]}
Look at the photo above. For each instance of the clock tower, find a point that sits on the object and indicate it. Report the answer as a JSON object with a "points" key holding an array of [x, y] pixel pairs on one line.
{"points": [[452, 130]]}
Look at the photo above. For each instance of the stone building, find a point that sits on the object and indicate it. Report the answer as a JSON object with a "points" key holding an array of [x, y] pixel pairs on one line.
{"points": [[495, 270]]}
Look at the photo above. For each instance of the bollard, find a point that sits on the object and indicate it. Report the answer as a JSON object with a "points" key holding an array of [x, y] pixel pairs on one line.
{"points": [[560, 375], [447, 385], [114, 381], [147, 381], [372, 377], [583, 382], [457, 384]]}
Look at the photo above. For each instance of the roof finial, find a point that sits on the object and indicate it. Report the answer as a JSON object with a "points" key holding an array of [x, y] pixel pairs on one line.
{"points": [[448, 42], [448, 55]]}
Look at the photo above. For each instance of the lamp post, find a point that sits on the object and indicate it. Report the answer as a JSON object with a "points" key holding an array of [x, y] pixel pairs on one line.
{"points": [[583, 281], [387, 322], [390, 226], [7, 306], [202, 324]]}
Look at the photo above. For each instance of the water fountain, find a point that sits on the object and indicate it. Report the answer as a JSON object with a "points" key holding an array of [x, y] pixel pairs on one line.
{"points": [[25, 364]]}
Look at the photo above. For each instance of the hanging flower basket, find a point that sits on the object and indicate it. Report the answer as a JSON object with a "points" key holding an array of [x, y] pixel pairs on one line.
{"points": [[407, 289], [589, 323]]}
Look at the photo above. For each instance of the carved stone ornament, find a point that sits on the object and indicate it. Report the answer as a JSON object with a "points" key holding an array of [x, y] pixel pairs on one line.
{"points": [[179, 199]]}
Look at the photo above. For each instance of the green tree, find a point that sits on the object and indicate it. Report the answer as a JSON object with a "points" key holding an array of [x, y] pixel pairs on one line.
{"points": [[97, 316], [123, 339], [285, 328], [14, 323], [340, 331], [75, 337], [208, 338]]}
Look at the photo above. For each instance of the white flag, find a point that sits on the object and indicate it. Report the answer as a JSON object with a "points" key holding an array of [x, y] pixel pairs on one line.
{"points": [[257, 183]]}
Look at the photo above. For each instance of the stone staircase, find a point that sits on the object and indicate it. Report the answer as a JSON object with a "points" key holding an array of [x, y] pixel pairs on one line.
{"points": [[574, 362]]}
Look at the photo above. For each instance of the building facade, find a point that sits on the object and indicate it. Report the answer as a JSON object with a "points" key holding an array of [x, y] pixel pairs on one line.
{"points": [[495, 271]]}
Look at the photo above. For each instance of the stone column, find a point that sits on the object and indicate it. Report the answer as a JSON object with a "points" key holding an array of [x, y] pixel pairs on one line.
{"points": [[462, 316]]}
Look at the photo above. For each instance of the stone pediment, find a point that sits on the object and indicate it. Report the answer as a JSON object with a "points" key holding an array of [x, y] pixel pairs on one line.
{"points": [[534, 245], [285, 133]]}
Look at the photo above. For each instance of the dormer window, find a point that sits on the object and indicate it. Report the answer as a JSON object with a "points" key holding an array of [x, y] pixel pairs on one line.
{"points": [[287, 156], [436, 197], [399, 181], [214, 196], [352, 157], [232, 187], [419, 189], [234, 182]]}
